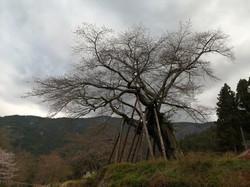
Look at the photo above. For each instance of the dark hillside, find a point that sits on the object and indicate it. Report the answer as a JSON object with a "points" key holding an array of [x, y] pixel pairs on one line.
{"points": [[83, 144], [183, 129], [39, 135]]}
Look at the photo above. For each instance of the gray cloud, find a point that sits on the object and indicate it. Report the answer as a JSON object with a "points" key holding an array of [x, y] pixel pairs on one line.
{"points": [[36, 38]]}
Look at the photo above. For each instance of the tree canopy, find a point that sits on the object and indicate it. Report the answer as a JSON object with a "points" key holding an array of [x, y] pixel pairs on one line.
{"points": [[227, 125], [233, 113], [116, 67], [243, 99]]}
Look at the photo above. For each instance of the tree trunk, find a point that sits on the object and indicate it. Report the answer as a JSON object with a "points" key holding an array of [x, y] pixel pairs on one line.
{"points": [[168, 137]]}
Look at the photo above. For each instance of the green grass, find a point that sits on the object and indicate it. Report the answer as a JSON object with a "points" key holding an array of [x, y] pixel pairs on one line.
{"points": [[195, 169]]}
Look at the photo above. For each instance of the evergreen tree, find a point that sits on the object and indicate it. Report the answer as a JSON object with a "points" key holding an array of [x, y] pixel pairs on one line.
{"points": [[243, 99], [243, 95], [228, 130]]}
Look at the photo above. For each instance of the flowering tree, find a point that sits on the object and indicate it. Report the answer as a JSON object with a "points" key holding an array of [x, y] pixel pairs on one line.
{"points": [[8, 167]]}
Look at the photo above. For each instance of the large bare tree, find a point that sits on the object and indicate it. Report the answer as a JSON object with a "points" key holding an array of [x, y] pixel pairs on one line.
{"points": [[164, 73]]}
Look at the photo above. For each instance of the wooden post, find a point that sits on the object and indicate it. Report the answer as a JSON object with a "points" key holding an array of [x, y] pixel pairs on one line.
{"points": [[124, 144], [146, 131], [117, 156], [113, 150], [243, 138], [136, 146], [126, 137], [131, 147], [163, 151], [147, 154]]}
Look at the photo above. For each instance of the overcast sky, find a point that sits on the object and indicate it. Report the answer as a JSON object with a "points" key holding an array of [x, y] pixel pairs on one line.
{"points": [[36, 39]]}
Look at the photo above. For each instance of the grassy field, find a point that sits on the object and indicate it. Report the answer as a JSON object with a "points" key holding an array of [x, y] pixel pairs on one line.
{"points": [[195, 169]]}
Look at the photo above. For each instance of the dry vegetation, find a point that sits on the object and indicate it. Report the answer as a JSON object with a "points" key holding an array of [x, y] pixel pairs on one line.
{"points": [[196, 169]]}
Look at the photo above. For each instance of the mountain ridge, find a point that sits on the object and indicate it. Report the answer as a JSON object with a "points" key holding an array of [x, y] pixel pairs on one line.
{"points": [[41, 135]]}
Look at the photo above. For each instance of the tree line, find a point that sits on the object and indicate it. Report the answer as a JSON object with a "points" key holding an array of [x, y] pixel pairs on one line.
{"points": [[232, 124], [233, 111]]}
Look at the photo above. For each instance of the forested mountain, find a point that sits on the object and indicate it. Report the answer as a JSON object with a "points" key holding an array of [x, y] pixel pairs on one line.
{"points": [[48, 150], [39, 135]]}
